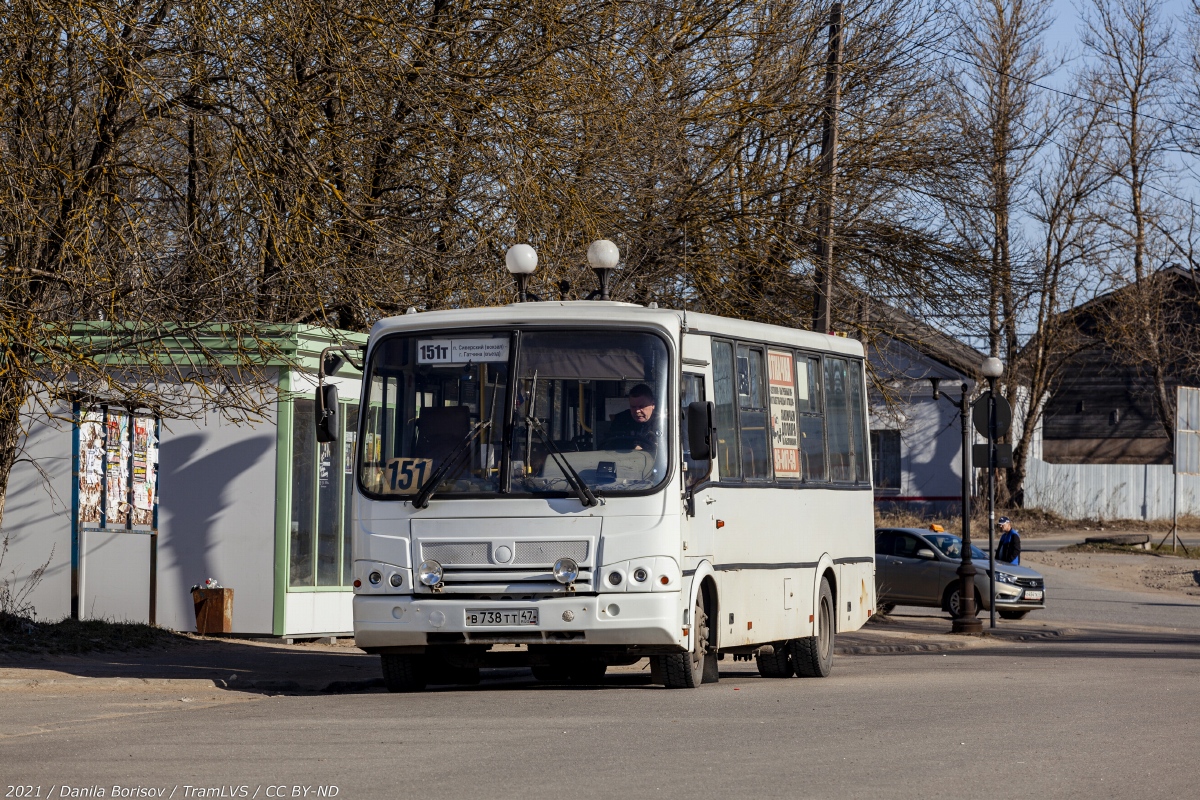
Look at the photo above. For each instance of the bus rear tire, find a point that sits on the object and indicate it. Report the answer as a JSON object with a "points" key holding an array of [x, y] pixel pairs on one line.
{"points": [[403, 673], [688, 670], [812, 656], [774, 664]]}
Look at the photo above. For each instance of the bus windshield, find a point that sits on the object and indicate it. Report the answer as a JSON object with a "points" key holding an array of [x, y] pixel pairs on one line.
{"points": [[584, 406]]}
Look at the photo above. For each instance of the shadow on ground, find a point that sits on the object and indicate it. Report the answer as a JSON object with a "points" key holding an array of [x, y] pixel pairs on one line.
{"points": [[315, 669]]}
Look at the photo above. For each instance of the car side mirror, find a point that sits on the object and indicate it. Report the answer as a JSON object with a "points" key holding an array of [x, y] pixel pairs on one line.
{"points": [[926, 554], [327, 413], [701, 429]]}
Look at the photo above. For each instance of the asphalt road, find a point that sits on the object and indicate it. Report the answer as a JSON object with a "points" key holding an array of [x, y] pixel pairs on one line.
{"points": [[1060, 710]]}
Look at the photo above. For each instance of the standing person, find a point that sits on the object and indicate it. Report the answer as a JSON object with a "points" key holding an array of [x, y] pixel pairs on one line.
{"points": [[1009, 549]]}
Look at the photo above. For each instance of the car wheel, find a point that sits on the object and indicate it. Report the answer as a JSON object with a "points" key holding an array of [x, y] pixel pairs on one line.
{"points": [[954, 600], [812, 656], [775, 661], [1011, 614], [403, 673]]}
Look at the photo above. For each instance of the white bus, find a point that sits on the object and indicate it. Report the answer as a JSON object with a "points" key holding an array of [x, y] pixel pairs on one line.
{"points": [[598, 482]]}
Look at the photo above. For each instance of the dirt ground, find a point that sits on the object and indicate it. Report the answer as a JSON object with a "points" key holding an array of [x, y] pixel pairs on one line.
{"points": [[1133, 572]]}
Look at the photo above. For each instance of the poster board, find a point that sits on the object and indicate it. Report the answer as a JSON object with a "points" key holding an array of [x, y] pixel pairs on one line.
{"points": [[785, 437]]}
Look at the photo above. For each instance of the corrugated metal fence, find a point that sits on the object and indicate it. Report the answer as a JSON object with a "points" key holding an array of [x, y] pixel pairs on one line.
{"points": [[1109, 491]]}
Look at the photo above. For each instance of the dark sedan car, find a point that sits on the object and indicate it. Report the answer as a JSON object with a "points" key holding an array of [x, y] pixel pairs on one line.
{"points": [[915, 567]]}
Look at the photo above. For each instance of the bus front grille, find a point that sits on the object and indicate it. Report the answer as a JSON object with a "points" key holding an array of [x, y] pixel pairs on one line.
{"points": [[451, 553], [546, 553]]}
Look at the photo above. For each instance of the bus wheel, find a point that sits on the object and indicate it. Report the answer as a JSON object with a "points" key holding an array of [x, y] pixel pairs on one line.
{"points": [[403, 673], [774, 661], [813, 655], [686, 670]]}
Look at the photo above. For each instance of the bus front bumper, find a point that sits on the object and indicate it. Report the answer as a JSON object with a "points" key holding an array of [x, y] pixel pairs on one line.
{"points": [[647, 619]]}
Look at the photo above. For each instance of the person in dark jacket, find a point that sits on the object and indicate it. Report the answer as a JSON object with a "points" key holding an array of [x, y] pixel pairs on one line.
{"points": [[1009, 548], [639, 428]]}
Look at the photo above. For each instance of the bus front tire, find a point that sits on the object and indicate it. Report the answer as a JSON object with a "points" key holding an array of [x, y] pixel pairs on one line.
{"points": [[774, 661], [812, 656], [689, 670], [403, 673]]}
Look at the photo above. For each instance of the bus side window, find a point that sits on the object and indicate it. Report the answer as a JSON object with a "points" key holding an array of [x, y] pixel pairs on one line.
{"points": [[752, 416], [692, 392], [858, 424], [811, 419], [724, 384], [837, 410]]}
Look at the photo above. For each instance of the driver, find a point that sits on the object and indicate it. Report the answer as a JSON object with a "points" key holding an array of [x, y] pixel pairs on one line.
{"points": [[639, 428]]}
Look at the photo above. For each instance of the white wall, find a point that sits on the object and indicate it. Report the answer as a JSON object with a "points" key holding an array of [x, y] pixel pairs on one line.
{"points": [[37, 517], [216, 519]]}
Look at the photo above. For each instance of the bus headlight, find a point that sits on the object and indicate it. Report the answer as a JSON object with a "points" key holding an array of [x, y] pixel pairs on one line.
{"points": [[430, 573], [565, 570]]}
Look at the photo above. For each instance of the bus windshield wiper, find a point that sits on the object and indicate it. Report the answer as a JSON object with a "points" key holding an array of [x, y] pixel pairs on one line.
{"points": [[573, 477], [453, 459]]}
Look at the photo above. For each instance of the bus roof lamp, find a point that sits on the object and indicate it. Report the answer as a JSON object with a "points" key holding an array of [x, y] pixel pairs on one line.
{"points": [[603, 257], [521, 261]]}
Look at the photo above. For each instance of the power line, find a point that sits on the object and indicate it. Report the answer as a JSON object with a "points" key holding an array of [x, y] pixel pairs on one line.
{"points": [[1045, 136], [1026, 81]]}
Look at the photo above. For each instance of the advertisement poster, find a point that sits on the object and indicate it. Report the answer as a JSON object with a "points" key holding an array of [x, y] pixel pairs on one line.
{"points": [[91, 465], [785, 439], [145, 469], [116, 501]]}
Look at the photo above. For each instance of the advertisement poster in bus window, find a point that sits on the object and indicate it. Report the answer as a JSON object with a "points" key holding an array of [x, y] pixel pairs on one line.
{"points": [[145, 469], [116, 501], [785, 439], [91, 465]]}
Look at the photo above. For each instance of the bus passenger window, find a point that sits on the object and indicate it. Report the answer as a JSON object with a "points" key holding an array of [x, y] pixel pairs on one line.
{"points": [[811, 418], [723, 391], [756, 438], [837, 410], [858, 423]]}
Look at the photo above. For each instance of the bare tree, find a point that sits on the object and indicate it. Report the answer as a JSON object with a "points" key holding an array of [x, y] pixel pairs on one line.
{"points": [[1133, 80]]}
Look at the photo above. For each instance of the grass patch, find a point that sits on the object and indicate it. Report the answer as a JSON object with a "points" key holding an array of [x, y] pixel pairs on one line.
{"points": [[19, 634]]}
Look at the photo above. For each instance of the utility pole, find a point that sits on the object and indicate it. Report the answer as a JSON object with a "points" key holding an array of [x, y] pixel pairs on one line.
{"points": [[822, 316]]}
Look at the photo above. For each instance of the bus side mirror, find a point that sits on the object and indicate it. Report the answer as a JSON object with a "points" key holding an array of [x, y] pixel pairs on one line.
{"points": [[701, 430], [327, 413]]}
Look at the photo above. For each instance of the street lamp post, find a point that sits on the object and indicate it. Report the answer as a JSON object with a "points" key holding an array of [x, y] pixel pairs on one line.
{"points": [[965, 621], [992, 369]]}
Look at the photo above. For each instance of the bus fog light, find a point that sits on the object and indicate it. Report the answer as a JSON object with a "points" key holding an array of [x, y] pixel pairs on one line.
{"points": [[614, 578], [374, 578], [613, 610], [640, 575], [430, 573], [396, 580], [566, 570]]}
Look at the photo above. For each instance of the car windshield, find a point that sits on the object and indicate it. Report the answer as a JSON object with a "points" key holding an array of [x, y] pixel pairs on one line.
{"points": [[584, 407], [951, 545]]}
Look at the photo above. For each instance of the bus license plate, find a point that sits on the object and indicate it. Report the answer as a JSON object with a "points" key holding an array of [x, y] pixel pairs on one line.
{"points": [[1033, 594], [485, 616]]}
